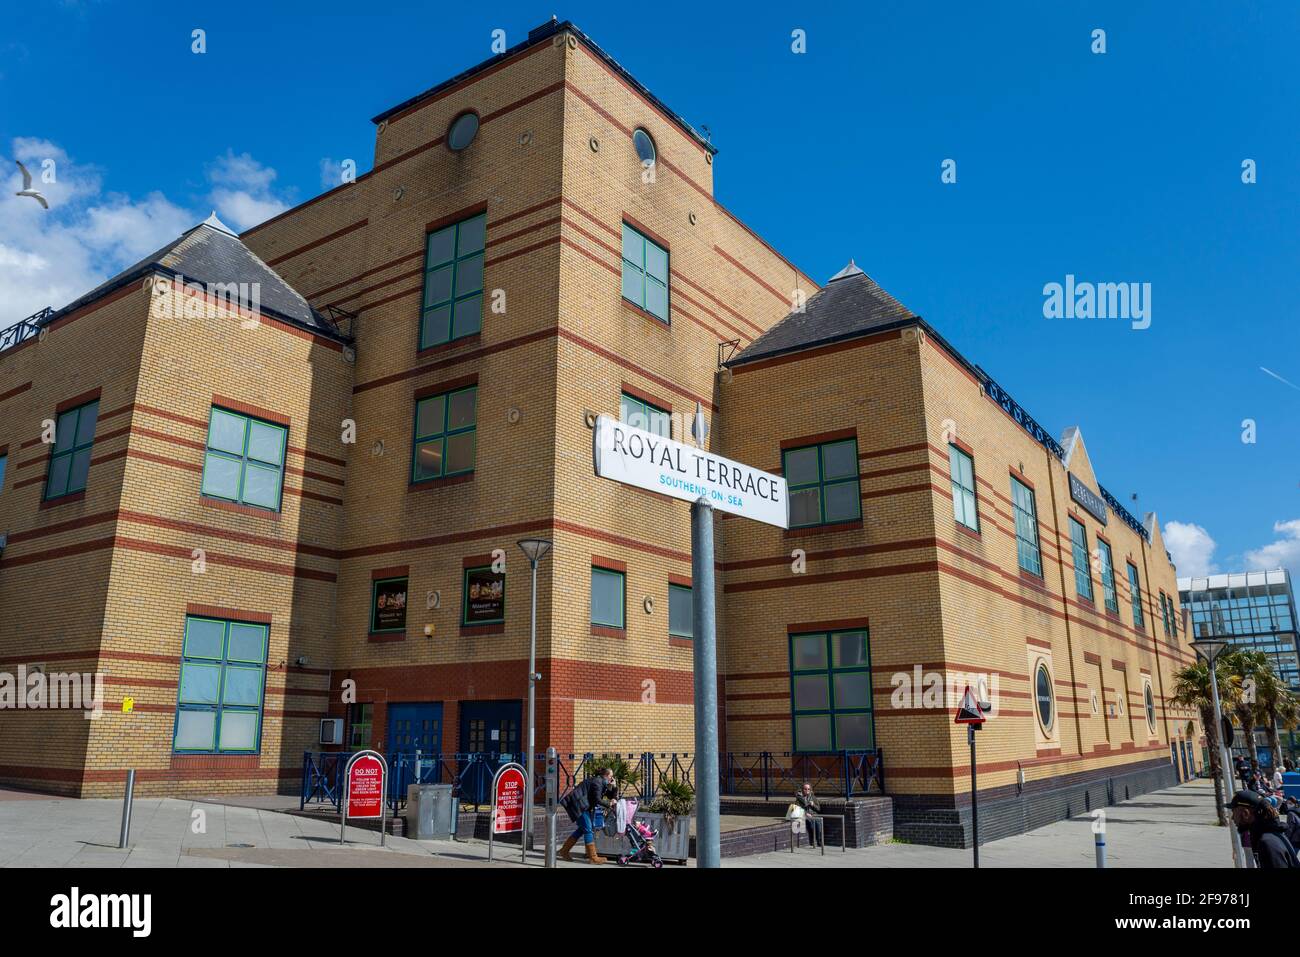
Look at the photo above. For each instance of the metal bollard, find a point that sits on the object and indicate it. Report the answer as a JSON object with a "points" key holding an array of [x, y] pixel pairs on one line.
{"points": [[127, 798], [1099, 843]]}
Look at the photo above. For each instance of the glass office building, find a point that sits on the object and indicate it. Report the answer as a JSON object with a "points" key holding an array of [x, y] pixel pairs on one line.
{"points": [[1254, 609]]}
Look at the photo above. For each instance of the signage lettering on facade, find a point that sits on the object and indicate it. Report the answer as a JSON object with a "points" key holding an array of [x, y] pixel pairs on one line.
{"points": [[1093, 503], [634, 456]]}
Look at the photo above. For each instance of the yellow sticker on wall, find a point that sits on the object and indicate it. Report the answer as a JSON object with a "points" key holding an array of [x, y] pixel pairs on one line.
{"points": [[128, 704]]}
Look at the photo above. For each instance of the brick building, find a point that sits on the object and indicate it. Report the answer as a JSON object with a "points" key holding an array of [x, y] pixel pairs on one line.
{"points": [[286, 466]]}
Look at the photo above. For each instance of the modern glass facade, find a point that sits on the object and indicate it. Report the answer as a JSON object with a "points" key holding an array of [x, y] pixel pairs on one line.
{"points": [[1252, 609]]}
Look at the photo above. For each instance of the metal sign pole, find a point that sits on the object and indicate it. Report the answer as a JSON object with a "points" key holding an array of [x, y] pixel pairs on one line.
{"points": [[707, 827], [974, 797]]}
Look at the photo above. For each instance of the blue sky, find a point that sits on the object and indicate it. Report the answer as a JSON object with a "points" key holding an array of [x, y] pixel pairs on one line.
{"points": [[1117, 167]]}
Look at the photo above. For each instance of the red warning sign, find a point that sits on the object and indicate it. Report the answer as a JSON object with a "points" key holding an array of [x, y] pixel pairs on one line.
{"points": [[968, 712]]}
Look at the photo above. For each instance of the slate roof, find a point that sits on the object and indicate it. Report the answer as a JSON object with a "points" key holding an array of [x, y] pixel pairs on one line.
{"points": [[211, 253], [851, 304]]}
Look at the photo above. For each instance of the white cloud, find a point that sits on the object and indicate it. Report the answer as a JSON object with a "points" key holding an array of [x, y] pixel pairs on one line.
{"points": [[1192, 548], [331, 173], [242, 191], [1282, 553], [51, 257]]}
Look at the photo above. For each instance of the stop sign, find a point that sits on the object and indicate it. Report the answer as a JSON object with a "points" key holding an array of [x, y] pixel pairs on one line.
{"points": [[366, 787]]}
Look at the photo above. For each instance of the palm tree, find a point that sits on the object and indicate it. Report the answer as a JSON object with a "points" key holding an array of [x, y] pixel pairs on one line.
{"points": [[1252, 673], [1192, 690], [1276, 707]]}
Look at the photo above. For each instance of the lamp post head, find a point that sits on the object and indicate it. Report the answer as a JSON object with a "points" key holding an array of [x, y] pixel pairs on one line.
{"points": [[535, 548], [1210, 648]]}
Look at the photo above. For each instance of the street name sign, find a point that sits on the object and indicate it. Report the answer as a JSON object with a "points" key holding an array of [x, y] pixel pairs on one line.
{"points": [[636, 457]]}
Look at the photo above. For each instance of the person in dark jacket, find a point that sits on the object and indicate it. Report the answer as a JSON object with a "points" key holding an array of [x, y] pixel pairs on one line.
{"points": [[583, 804], [812, 821], [1254, 816]]}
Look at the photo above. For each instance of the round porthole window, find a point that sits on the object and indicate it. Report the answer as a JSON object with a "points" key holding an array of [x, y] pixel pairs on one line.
{"points": [[645, 147], [1151, 708], [1043, 692], [462, 131]]}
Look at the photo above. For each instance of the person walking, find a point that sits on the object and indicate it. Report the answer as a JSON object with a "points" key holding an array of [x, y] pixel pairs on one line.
{"points": [[1255, 817], [584, 805], [805, 799]]}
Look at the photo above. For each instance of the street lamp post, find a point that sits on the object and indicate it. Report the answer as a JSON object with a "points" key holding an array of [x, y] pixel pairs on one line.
{"points": [[1210, 649], [535, 549]]}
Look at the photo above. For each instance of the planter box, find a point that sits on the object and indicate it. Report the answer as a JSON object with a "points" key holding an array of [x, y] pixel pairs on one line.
{"points": [[672, 845]]}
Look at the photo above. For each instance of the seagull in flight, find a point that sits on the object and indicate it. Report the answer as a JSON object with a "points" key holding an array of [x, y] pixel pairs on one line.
{"points": [[27, 187]]}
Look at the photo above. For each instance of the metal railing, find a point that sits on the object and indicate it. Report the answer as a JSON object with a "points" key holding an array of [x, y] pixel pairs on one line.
{"points": [[768, 774], [24, 329]]}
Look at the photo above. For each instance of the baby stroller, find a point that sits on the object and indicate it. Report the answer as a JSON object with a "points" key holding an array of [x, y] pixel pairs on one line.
{"points": [[640, 838]]}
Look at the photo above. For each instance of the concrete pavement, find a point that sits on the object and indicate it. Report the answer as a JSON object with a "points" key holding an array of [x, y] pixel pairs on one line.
{"points": [[1174, 828]]}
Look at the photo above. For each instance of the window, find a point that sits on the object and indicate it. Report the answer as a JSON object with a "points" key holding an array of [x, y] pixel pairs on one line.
{"points": [[74, 433], [388, 605], [453, 282], [823, 483], [483, 601], [681, 612], [1082, 573], [643, 415], [1022, 504], [1150, 700], [645, 273], [244, 460], [961, 468], [361, 718], [645, 148], [4, 460], [606, 597], [462, 131], [444, 435], [1107, 576], [1135, 588], [830, 692], [219, 702], [1164, 613], [1044, 697]]}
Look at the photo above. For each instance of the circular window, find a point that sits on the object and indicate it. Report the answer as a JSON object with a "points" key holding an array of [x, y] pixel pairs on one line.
{"points": [[462, 131], [1151, 708], [645, 147], [1043, 691]]}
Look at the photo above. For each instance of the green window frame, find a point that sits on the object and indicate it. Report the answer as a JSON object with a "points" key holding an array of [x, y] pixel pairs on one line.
{"points": [[452, 301], [612, 612], [1025, 509], [221, 688], [361, 719], [643, 415], [1164, 613], [4, 462], [444, 435], [965, 503], [243, 460], [464, 598], [1082, 570], [1135, 588], [1108, 576], [823, 483], [830, 692], [645, 272], [74, 436], [681, 611]]}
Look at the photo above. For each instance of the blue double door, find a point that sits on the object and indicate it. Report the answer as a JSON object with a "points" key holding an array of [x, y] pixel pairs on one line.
{"points": [[415, 727], [490, 729]]}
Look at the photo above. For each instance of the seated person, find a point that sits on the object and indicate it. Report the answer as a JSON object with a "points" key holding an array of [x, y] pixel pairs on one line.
{"points": [[805, 799]]}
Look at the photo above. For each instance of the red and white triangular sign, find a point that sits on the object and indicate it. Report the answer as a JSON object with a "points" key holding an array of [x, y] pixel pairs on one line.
{"points": [[968, 712]]}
